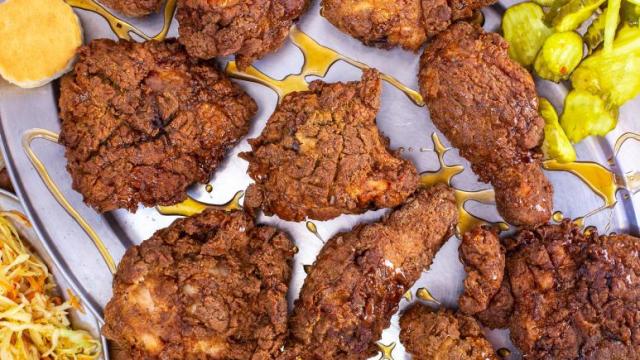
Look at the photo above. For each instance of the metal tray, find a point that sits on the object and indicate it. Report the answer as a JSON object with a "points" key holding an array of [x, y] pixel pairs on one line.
{"points": [[70, 230]]}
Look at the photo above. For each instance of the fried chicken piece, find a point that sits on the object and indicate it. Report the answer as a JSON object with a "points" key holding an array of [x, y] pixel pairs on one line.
{"points": [[250, 29], [576, 296], [500, 308], [359, 277], [483, 259], [5, 181], [486, 105], [141, 122], [391, 23], [211, 286], [134, 8], [443, 335], [321, 155]]}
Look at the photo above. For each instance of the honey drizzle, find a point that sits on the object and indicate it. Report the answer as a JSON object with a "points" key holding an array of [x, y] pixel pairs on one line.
{"points": [[623, 139], [192, 206], [121, 28], [386, 351], [601, 181], [311, 226], [444, 175], [27, 139], [318, 59], [425, 295]]}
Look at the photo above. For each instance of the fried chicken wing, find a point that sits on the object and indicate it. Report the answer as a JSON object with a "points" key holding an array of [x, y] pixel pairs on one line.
{"points": [[576, 296], [390, 23], [483, 259], [141, 122], [248, 29], [443, 335], [359, 277], [212, 286], [486, 105], [321, 155]]}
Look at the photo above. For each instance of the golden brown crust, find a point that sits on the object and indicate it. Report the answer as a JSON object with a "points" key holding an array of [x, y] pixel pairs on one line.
{"points": [[576, 296], [486, 105], [141, 122], [359, 277], [210, 286], [134, 8], [249, 29], [391, 23], [500, 308], [321, 155], [443, 335], [483, 259]]}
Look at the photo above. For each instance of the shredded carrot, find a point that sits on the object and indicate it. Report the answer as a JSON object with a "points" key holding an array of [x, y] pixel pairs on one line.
{"points": [[33, 318]]}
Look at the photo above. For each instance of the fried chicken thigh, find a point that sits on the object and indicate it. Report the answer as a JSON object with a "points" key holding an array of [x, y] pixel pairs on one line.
{"points": [[576, 296], [248, 29], [212, 286], [390, 23], [443, 335], [486, 105], [359, 277], [321, 155], [141, 122]]}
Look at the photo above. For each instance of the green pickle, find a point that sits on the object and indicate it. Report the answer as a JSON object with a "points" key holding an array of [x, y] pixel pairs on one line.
{"points": [[571, 15], [556, 143], [612, 75], [586, 114], [560, 55], [524, 29]]}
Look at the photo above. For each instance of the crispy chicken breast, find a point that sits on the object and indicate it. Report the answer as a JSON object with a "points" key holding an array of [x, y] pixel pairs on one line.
{"points": [[212, 286], [321, 155], [248, 29], [141, 122]]}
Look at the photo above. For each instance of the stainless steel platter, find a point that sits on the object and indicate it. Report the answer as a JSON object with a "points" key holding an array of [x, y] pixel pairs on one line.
{"points": [[67, 238]]}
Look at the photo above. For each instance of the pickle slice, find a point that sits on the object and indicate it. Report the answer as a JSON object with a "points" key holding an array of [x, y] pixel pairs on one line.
{"points": [[586, 115], [572, 14], [560, 55], [556, 143], [525, 31]]}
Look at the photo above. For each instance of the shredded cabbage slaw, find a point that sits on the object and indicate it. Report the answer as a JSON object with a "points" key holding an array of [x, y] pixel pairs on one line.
{"points": [[33, 318]]}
